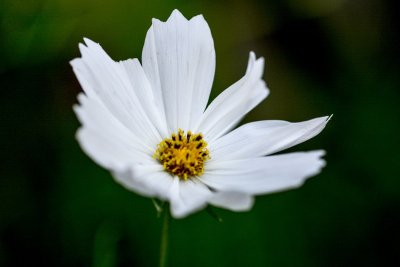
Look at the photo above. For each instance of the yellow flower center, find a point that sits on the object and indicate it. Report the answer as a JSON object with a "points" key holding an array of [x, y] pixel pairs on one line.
{"points": [[183, 154]]}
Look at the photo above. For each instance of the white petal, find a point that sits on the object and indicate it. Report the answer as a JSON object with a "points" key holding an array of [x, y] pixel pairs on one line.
{"points": [[233, 103], [263, 138], [263, 175], [187, 197], [234, 201], [145, 99], [149, 180], [133, 183], [105, 139], [122, 88], [179, 60]]}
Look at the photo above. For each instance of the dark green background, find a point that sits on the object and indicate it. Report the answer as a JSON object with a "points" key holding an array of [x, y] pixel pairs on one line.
{"points": [[57, 208]]}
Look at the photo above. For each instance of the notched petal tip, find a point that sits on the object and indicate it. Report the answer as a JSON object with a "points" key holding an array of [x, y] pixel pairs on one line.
{"points": [[89, 42], [82, 48], [256, 64], [320, 162], [75, 62], [155, 21], [75, 108], [176, 14], [261, 61], [89, 47], [252, 55], [252, 59], [199, 17], [81, 98], [319, 153]]}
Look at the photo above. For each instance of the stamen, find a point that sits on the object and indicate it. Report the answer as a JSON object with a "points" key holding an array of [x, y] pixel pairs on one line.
{"points": [[183, 155]]}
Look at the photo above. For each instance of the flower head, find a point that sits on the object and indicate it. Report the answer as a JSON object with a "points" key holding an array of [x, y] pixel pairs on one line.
{"points": [[149, 124]]}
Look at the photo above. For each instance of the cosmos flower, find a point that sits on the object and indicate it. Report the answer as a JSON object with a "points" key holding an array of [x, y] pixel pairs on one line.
{"points": [[149, 124]]}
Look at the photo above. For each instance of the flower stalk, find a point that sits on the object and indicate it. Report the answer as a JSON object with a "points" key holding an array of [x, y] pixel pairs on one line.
{"points": [[164, 239]]}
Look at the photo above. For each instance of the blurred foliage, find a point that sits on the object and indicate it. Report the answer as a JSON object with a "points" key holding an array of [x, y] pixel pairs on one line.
{"points": [[341, 56]]}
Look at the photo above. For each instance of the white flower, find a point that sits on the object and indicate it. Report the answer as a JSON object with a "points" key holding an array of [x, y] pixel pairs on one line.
{"points": [[136, 119]]}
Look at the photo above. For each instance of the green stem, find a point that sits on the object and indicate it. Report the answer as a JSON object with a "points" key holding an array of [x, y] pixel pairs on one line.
{"points": [[164, 239]]}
